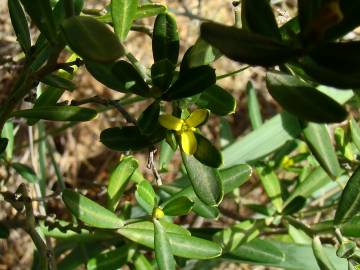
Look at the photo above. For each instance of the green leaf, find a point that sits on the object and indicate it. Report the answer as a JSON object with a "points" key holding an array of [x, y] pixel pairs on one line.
{"points": [[3, 144], [148, 120], [103, 73], [89, 211], [349, 204], [191, 82], [271, 185], [346, 249], [355, 133], [342, 57], [165, 42], [164, 257], [206, 153], [327, 76], [123, 13], [146, 193], [322, 259], [178, 207], [20, 25], [129, 138], [205, 180], [162, 74], [166, 154], [58, 82], [41, 14], [260, 251], [130, 78], [181, 245], [109, 260], [243, 46], [91, 39], [148, 10], [258, 17], [302, 100], [58, 113], [262, 141], [202, 53], [253, 106], [8, 133], [26, 172], [319, 142], [141, 263], [149, 226], [313, 182], [119, 179], [217, 100]]}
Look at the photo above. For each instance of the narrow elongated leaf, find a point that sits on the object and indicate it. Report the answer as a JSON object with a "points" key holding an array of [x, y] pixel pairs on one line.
{"points": [[8, 134], [206, 153], [271, 185], [243, 46], [109, 260], [165, 42], [58, 82], [123, 13], [315, 180], [202, 53], [206, 181], [258, 17], [168, 226], [129, 138], [58, 113], [302, 100], [349, 204], [148, 120], [91, 39], [146, 193], [191, 82], [217, 100], [355, 133], [260, 251], [119, 179], [141, 263], [178, 207], [166, 154], [318, 139], [253, 106], [263, 141], [26, 172], [20, 25], [89, 211], [163, 254], [42, 16], [322, 259], [130, 78], [181, 245]]}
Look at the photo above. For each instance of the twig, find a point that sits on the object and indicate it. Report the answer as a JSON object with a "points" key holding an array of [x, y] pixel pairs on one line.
{"points": [[151, 165]]}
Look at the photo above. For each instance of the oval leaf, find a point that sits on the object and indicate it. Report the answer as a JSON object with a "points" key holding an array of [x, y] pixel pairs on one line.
{"points": [[217, 100], [119, 179], [349, 204], [58, 113], [302, 100], [243, 46], [206, 153], [146, 196], [129, 138], [148, 120], [162, 74], [58, 82], [91, 39], [202, 53], [178, 207], [165, 41], [322, 259], [163, 254], [89, 211], [205, 180]]}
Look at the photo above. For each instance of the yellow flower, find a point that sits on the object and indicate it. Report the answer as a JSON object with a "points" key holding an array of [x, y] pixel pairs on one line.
{"points": [[158, 213], [185, 127]]}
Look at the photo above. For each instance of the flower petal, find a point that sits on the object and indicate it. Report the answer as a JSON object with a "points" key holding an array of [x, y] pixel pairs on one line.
{"points": [[188, 142], [197, 117], [170, 122]]}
